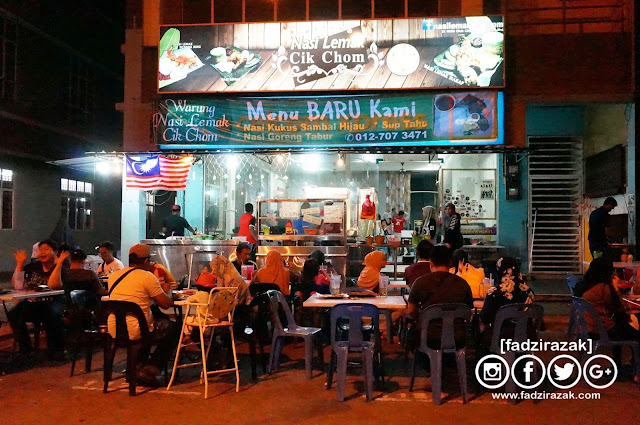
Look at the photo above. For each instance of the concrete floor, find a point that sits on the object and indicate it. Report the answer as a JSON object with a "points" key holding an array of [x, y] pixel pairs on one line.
{"points": [[45, 394]]}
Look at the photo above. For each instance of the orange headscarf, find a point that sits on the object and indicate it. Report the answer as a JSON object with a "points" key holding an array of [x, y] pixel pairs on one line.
{"points": [[274, 272], [370, 276]]}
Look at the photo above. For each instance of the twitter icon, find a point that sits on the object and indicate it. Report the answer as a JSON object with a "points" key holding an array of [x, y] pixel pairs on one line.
{"points": [[567, 371], [563, 373]]}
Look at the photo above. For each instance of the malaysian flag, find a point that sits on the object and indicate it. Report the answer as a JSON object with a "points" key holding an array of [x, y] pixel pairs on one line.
{"points": [[158, 173]]}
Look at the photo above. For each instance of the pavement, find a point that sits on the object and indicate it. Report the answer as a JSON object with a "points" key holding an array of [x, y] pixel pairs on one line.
{"points": [[45, 394]]}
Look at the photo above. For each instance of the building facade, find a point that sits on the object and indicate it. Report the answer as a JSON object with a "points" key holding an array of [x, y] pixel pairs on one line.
{"points": [[569, 105]]}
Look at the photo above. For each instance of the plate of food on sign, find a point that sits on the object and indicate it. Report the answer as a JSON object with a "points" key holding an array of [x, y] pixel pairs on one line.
{"points": [[476, 56], [233, 63], [175, 61]]}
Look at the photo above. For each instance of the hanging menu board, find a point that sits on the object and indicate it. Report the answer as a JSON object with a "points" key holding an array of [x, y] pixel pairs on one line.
{"points": [[290, 210]]}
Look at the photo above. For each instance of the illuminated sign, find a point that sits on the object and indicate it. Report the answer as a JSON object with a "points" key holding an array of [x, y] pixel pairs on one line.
{"points": [[332, 55], [304, 122]]}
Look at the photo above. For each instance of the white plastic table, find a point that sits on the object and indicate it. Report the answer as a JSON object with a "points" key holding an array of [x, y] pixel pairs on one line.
{"points": [[15, 295], [391, 302]]}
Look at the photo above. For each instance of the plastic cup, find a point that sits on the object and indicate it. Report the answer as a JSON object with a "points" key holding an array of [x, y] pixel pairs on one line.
{"points": [[383, 284], [250, 270], [335, 283], [243, 271], [19, 281]]}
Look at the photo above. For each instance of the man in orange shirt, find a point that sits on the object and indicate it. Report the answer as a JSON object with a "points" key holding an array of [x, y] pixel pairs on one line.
{"points": [[247, 226]]}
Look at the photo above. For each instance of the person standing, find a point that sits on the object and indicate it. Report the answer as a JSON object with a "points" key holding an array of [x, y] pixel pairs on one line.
{"points": [[452, 234], [110, 262], [247, 226], [398, 223], [174, 224], [428, 222], [598, 221]]}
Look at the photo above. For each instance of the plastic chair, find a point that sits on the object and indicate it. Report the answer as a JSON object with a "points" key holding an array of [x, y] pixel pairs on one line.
{"points": [[572, 281], [122, 309], [84, 326], [580, 308], [221, 302], [355, 343], [257, 330], [278, 302], [448, 313], [520, 315]]}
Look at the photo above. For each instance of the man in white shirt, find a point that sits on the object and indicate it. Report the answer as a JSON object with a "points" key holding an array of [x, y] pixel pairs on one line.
{"points": [[140, 286], [110, 263]]}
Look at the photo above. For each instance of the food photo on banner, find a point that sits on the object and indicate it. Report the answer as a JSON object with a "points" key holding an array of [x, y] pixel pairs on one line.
{"points": [[411, 53], [357, 120]]}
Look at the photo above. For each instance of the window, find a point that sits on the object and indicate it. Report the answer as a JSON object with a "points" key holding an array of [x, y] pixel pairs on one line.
{"points": [[76, 202], [6, 200], [8, 58], [151, 208], [80, 93]]}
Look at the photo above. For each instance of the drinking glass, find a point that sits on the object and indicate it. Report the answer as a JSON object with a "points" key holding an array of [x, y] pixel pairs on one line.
{"points": [[335, 283], [383, 284]]}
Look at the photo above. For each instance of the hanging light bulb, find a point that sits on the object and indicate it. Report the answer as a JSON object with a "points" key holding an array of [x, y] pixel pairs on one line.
{"points": [[340, 161]]}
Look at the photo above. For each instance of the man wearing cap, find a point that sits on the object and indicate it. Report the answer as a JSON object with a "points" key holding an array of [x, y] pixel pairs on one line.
{"points": [[137, 284], [174, 224]]}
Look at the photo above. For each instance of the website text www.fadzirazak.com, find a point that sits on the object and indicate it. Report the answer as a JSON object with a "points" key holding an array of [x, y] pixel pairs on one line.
{"points": [[543, 395]]}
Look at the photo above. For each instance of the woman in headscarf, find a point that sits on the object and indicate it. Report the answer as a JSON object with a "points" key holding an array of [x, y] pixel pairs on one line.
{"points": [[274, 272], [509, 288], [428, 222], [370, 276], [226, 275]]}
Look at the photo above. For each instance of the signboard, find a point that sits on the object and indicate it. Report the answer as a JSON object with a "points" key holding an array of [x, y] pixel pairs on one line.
{"points": [[332, 55], [458, 119]]}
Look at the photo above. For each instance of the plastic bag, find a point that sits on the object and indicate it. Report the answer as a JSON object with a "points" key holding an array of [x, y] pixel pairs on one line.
{"points": [[474, 277]]}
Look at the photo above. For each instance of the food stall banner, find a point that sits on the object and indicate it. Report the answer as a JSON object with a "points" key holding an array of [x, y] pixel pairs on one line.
{"points": [[304, 122], [332, 55]]}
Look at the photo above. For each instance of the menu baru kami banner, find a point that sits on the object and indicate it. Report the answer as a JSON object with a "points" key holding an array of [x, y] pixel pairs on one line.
{"points": [[306, 122]]}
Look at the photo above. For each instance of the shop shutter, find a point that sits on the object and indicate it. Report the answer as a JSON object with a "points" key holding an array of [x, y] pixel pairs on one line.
{"points": [[555, 192]]}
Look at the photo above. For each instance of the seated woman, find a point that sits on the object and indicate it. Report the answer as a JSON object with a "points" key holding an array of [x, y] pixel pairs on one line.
{"points": [[314, 278], [509, 288], [458, 259], [370, 276], [598, 287], [226, 275], [274, 271]]}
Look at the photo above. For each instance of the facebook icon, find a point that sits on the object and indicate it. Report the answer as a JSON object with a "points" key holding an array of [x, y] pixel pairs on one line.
{"points": [[427, 24], [528, 371]]}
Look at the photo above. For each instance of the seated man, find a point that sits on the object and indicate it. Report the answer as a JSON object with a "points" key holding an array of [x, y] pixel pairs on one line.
{"points": [[76, 277], [49, 312], [243, 256], [110, 262], [137, 284], [423, 266], [439, 287], [164, 275]]}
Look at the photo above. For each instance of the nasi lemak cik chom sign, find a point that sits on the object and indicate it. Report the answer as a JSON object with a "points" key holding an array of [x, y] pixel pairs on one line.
{"points": [[332, 55]]}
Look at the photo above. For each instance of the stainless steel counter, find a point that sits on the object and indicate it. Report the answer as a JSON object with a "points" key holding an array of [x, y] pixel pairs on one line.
{"points": [[177, 255]]}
